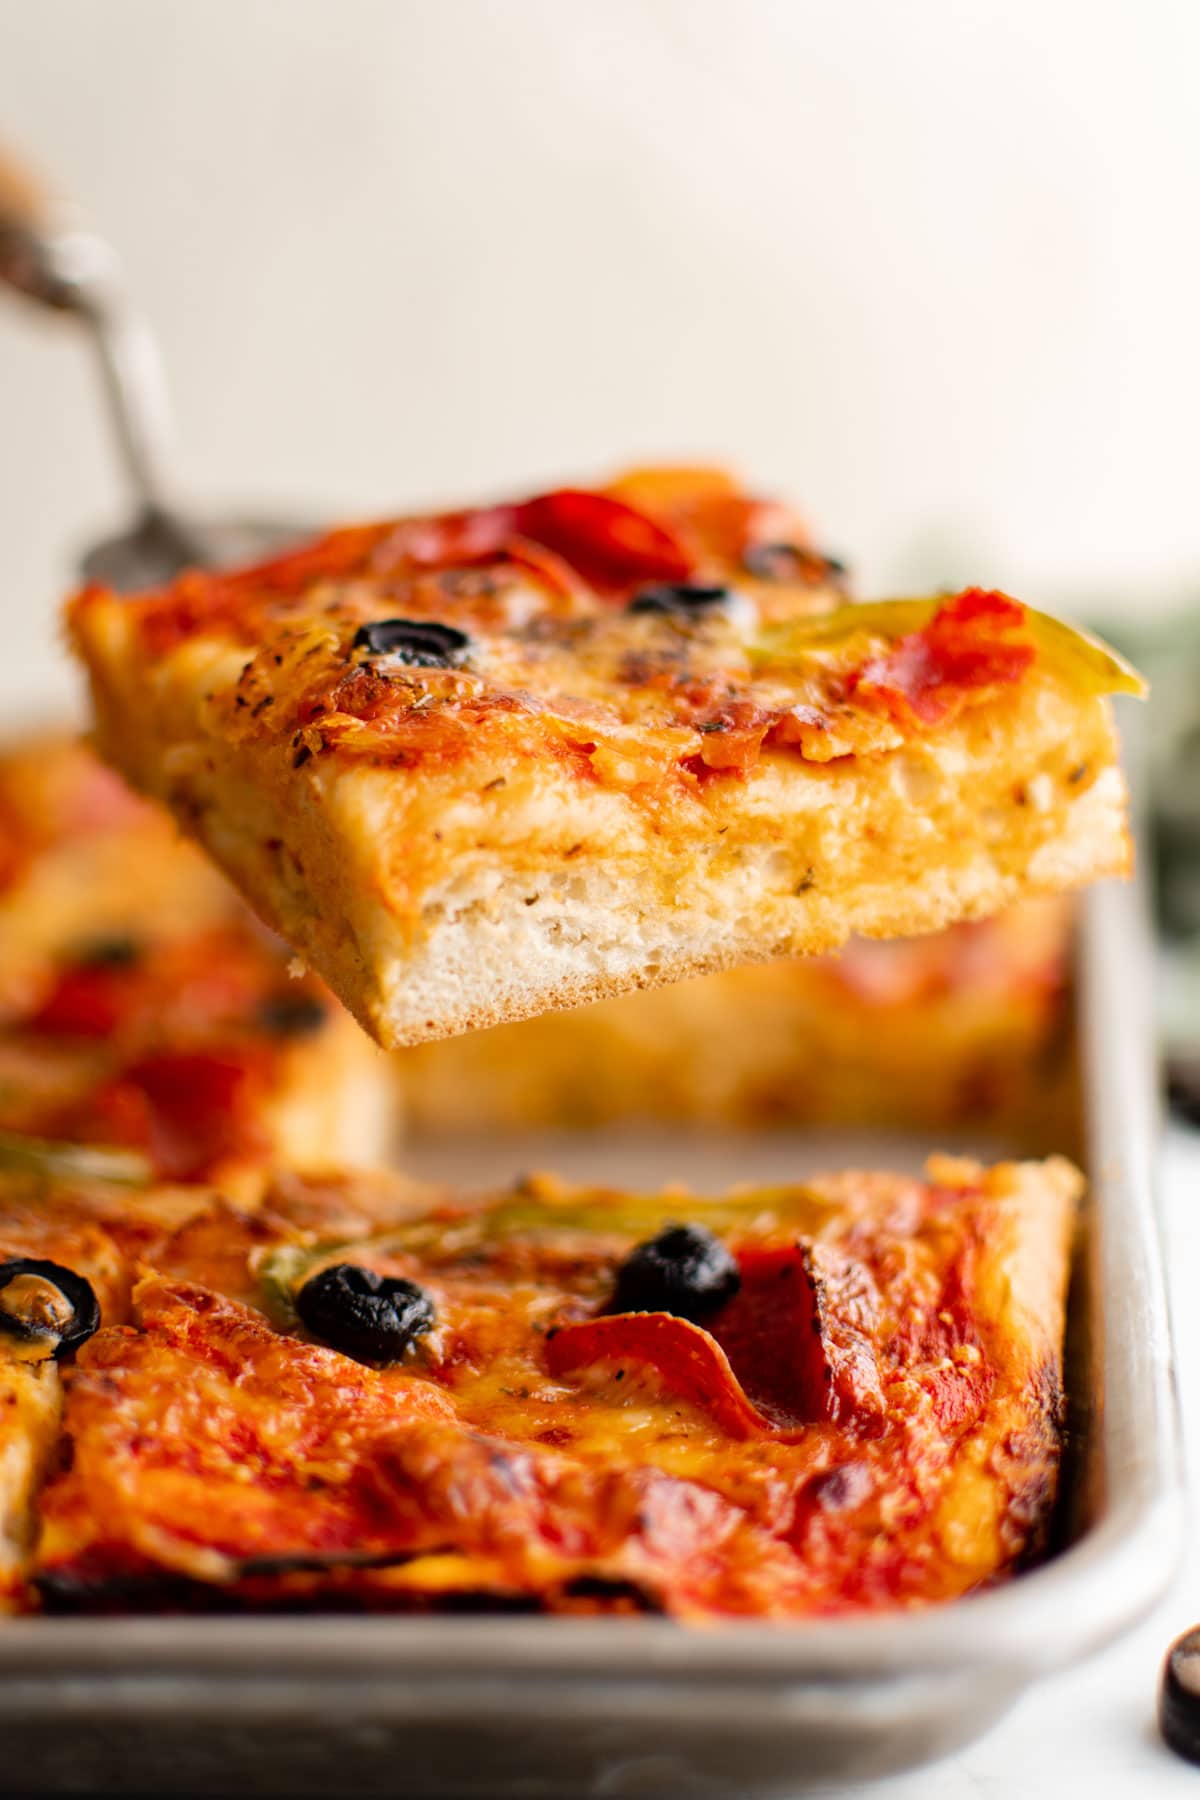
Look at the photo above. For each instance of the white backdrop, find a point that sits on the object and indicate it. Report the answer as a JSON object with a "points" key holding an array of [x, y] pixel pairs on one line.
{"points": [[931, 267]]}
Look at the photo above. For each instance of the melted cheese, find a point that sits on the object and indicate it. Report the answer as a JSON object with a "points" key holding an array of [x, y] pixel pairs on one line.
{"points": [[212, 1445]]}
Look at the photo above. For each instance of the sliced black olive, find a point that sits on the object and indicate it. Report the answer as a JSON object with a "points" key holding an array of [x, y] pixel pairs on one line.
{"points": [[371, 1317], [685, 1270], [1179, 1696], [791, 562], [422, 643], [683, 599], [46, 1309], [292, 1015]]}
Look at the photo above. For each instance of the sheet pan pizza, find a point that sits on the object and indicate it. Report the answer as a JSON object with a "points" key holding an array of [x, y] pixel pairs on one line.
{"points": [[482, 764], [768, 1404]]}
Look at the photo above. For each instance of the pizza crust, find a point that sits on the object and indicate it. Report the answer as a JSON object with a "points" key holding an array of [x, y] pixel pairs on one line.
{"points": [[547, 896]]}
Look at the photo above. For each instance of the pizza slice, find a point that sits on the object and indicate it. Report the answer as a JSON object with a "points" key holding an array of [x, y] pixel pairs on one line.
{"points": [[142, 1005], [481, 764], [780, 1403], [82, 856], [71, 1228]]}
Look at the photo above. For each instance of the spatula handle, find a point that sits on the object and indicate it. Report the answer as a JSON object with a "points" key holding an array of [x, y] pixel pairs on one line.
{"points": [[32, 237], [24, 202], [49, 259]]}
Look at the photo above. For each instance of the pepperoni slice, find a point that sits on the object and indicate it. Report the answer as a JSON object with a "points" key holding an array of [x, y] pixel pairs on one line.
{"points": [[772, 1331], [612, 545], [88, 1001], [689, 1360], [974, 641], [191, 1109]]}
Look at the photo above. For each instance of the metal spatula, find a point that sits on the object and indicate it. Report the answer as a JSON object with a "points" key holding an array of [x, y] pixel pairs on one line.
{"points": [[55, 262]]}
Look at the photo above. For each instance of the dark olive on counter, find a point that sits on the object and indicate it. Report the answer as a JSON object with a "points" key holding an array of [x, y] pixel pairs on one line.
{"points": [[1179, 1696], [373, 1318], [685, 1270], [422, 643], [45, 1310]]}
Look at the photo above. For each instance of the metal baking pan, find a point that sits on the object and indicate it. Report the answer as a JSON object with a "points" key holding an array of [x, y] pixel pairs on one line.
{"points": [[534, 1707]]}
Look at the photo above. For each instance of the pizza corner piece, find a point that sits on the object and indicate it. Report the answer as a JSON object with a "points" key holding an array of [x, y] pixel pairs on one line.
{"points": [[142, 1006], [779, 1403], [479, 765]]}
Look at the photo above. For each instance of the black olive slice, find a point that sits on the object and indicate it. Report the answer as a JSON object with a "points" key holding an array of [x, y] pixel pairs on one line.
{"points": [[683, 599], [292, 1015], [371, 1317], [1179, 1696], [685, 1270], [791, 562], [422, 643], [47, 1309]]}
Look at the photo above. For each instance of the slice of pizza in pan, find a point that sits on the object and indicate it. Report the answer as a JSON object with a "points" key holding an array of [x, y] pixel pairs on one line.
{"points": [[479, 765], [80, 1227], [83, 856], [69, 1234], [780, 1403], [143, 1006]]}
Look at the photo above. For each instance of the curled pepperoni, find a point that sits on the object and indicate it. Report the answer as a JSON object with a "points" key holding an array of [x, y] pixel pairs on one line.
{"points": [[689, 1360], [772, 1331], [611, 544]]}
